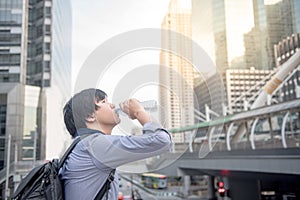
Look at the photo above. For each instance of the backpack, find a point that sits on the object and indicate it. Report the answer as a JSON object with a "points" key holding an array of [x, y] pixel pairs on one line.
{"points": [[43, 182]]}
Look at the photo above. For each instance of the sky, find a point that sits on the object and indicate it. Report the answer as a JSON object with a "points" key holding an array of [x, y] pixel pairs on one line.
{"points": [[96, 21]]}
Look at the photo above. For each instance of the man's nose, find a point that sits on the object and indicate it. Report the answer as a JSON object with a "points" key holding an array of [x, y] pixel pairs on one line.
{"points": [[112, 105]]}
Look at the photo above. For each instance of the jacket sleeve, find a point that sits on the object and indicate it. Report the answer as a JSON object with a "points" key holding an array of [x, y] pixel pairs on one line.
{"points": [[112, 151]]}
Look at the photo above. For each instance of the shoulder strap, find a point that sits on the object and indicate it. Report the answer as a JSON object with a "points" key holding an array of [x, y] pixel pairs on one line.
{"points": [[69, 150], [109, 179], [106, 186]]}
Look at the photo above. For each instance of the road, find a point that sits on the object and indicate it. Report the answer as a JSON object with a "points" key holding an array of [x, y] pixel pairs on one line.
{"points": [[126, 187]]}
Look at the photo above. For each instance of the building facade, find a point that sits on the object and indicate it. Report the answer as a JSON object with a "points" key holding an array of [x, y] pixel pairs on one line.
{"points": [[219, 26], [13, 63], [243, 87], [211, 92], [29, 68], [231, 92], [60, 78], [273, 21], [176, 72], [283, 51]]}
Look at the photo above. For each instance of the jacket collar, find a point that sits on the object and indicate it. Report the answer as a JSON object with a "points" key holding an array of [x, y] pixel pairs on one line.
{"points": [[83, 131]]}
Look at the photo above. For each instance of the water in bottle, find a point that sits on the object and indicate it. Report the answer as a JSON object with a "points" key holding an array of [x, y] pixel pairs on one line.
{"points": [[150, 105]]}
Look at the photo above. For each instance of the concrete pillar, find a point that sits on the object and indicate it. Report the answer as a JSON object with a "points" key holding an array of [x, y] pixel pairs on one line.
{"points": [[211, 188], [187, 185], [226, 186]]}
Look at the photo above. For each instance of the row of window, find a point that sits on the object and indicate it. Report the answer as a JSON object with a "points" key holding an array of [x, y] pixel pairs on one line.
{"points": [[38, 31], [36, 67], [10, 58], [3, 117], [37, 49], [9, 78], [11, 17], [11, 4], [36, 13], [46, 82], [7, 38]]}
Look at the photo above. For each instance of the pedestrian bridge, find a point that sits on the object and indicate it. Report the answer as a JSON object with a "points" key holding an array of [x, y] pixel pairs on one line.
{"points": [[265, 140]]}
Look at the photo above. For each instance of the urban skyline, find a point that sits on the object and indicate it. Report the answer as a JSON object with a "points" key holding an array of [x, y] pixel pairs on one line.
{"points": [[36, 65]]}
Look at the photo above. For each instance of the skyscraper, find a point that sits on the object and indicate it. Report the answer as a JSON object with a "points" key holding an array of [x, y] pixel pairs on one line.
{"points": [[273, 21], [13, 63], [60, 79], [296, 16], [219, 27], [35, 63], [230, 20], [176, 72]]}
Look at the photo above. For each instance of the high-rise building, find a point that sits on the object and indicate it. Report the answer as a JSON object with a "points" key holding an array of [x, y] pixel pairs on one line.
{"points": [[296, 16], [60, 78], [273, 21], [13, 44], [243, 86], [176, 71], [202, 31], [35, 61], [230, 20], [219, 27], [283, 51], [211, 91], [231, 92]]}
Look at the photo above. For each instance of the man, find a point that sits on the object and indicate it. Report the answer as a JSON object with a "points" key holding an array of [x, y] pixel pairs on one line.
{"points": [[94, 157]]}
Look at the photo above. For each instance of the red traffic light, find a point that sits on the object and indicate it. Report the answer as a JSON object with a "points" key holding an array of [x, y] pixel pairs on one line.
{"points": [[221, 189], [220, 184]]}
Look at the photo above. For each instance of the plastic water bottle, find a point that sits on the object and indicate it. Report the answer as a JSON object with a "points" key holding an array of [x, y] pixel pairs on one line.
{"points": [[148, 105]]}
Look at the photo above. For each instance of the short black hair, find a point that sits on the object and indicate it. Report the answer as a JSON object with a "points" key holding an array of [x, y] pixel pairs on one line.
{"points": [[79, 107]]}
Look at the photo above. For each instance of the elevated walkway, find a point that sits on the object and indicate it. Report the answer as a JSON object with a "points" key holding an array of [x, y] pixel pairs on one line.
{"points": [[269, 147]]}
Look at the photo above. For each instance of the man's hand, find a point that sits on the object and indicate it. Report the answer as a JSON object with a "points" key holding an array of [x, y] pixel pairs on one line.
{"points": [[135, 110]]}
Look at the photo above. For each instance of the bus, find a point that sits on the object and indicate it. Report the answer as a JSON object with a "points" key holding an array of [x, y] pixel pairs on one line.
{"points": [[155, 181]]}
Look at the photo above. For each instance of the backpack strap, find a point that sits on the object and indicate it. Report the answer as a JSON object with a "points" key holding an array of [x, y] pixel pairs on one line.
{"points": [[106, 186], [110, 178], [69, 150]]}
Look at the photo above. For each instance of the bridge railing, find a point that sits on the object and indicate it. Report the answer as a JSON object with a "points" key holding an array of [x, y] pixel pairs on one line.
{"points": [[270, 127]]}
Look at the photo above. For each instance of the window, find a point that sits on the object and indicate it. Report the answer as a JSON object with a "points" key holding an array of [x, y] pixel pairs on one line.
{"points": [[47, 29], [3, 108], [47, 47], [48, 11]]}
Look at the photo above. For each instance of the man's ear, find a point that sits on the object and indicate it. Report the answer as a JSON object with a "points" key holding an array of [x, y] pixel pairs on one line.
{"points": [[91, 118], [98, 103]]}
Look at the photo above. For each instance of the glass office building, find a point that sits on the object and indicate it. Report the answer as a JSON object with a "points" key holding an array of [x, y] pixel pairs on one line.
{"points": [[60, 78], [13, 62], [274, 21], [35, 70], [231, 19], [296, 16]]}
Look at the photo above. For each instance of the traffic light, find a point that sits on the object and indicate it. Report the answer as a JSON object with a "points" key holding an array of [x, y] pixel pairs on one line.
{"points": [[221, 189]]}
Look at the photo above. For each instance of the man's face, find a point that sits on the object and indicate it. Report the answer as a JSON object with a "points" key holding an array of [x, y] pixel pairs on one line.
{"points": [[105, 114]]}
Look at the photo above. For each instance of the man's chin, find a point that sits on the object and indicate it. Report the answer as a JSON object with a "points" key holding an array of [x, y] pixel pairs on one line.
{"points": [[118, 121]]}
